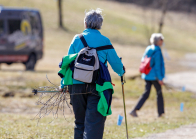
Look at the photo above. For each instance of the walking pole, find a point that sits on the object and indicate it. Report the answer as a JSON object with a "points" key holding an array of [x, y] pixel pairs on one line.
{"points": [[122, 82]]}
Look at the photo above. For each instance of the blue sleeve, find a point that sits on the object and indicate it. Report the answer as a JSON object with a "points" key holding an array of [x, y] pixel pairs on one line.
{"points": [[157, 66], [115, 62], [72, 46], [62, 85]]}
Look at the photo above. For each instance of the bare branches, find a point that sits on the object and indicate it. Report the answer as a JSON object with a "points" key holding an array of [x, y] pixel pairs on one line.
{"points": [[50, 81], [52, 103]]}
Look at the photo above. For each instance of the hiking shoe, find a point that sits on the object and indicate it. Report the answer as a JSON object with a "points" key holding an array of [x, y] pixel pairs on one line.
{"points": [[133, 113]]}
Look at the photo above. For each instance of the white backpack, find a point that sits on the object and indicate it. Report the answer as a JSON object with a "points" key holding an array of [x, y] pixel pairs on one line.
{"points": [[87, 62]]}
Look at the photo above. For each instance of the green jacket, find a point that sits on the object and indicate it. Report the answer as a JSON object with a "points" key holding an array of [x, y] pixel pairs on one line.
{"points": [[102, 106], [65, 72]]}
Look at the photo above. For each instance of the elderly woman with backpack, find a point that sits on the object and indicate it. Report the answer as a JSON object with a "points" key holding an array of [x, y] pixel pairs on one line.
{"points": [[153, 74], [90, 113]]}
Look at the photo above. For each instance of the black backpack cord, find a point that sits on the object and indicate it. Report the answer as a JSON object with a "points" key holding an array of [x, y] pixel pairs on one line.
{"points": [[83, 40]]}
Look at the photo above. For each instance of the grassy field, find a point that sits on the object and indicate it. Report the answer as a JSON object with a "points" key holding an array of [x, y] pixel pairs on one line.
{"points": [[17, 113], [126, 26]]}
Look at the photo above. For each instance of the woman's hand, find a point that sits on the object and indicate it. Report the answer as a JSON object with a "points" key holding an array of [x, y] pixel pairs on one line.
{"points": [[161, 82], [60, 89]]}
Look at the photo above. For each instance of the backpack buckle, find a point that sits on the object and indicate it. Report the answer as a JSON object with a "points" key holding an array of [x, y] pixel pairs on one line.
{"points": [[89, 48]]}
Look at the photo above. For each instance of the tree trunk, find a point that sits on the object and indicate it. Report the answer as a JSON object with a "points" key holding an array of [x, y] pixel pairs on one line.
{"points": [[60, 13], [165, 8]]}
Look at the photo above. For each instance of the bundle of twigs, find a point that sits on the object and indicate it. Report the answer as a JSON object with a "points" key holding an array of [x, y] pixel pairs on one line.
{"points": [[51, 100]]}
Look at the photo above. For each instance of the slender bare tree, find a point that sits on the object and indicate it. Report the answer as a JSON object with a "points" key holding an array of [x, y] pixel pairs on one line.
{"points": [[165, 4], [60, 13]]}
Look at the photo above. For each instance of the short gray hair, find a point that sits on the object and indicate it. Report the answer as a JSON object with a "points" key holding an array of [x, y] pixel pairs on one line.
{"points": [[155, 37], [94, 19]]}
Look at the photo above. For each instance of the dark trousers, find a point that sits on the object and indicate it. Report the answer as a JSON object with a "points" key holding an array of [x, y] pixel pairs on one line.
{"points": [[89, 123], [144, 97]]}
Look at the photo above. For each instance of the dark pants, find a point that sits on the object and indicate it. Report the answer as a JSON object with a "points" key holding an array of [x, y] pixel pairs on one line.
{"points": [[144, 97], [89, 123]]}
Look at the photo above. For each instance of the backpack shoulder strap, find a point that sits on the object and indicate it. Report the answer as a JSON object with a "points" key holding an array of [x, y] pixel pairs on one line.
{"points": [[104, 47], [83, 40]]}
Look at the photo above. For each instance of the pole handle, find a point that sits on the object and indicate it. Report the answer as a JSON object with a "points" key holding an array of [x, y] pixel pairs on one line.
{"points": [[122, 75]]}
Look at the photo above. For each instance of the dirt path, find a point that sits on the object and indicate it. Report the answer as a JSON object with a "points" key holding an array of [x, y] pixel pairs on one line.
{"points": [[184, 132], [184, 81]]}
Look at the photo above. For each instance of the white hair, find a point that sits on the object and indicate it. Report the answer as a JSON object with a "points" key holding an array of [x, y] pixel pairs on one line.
{"points": [[94, 19], [155, 37]]}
